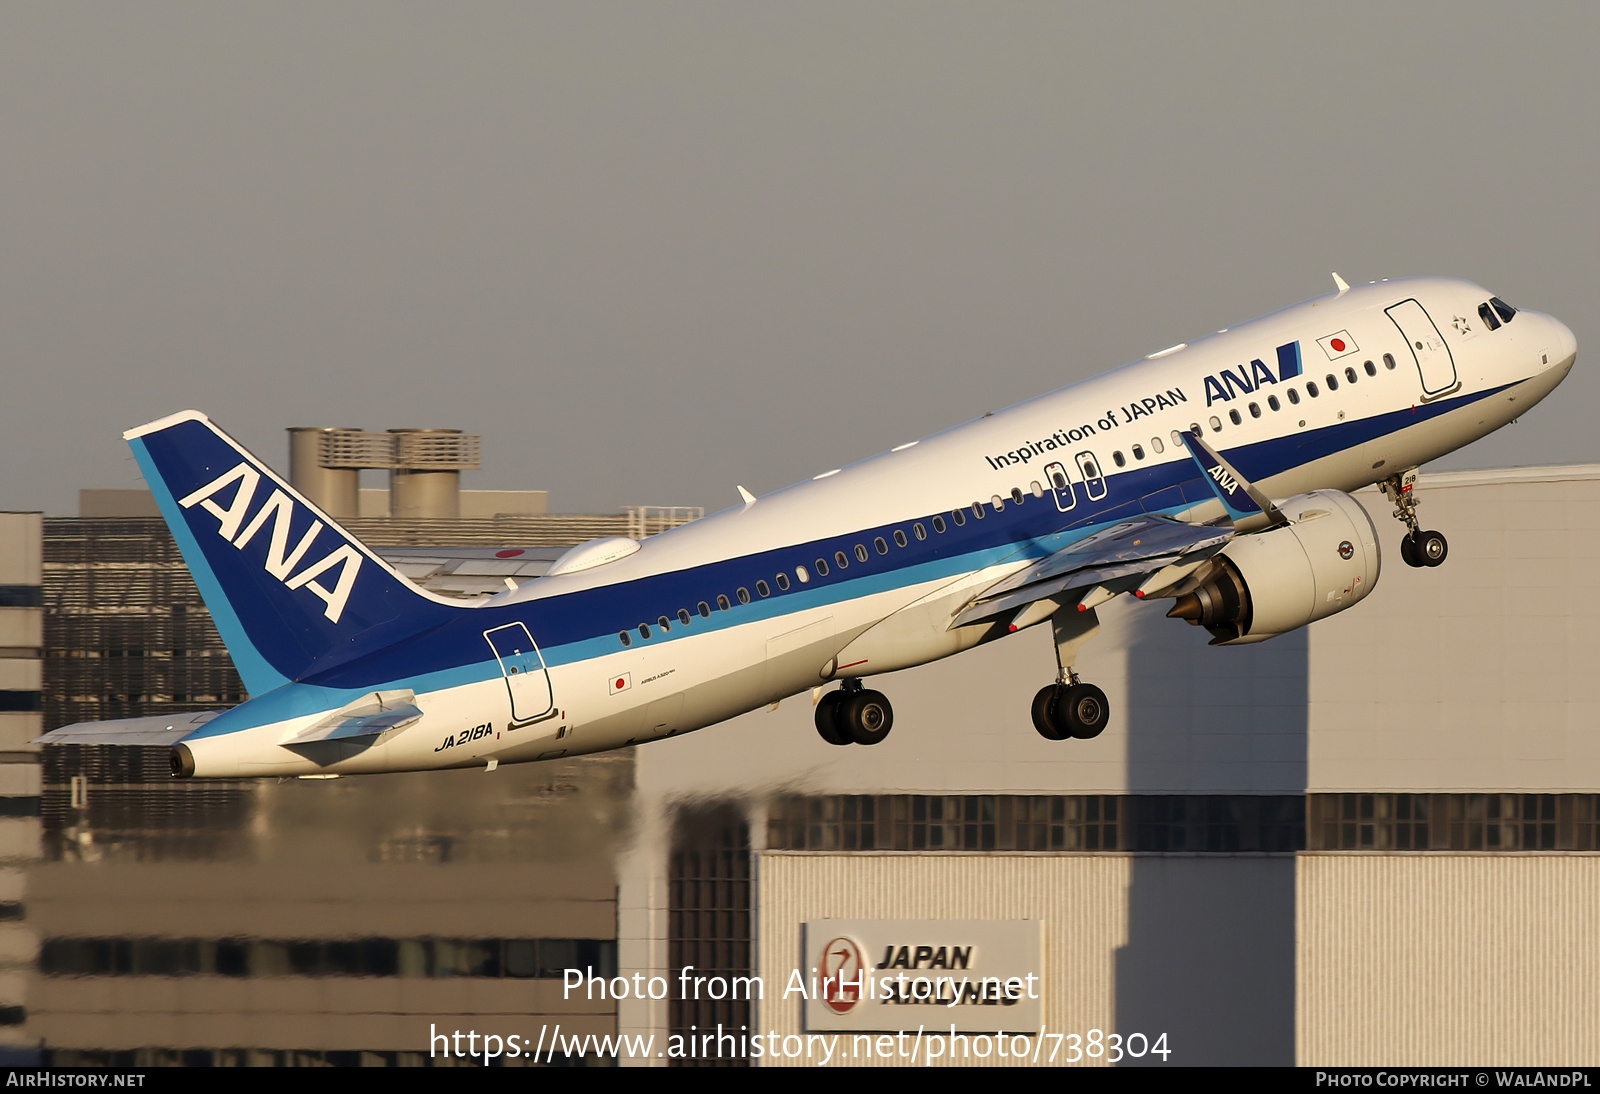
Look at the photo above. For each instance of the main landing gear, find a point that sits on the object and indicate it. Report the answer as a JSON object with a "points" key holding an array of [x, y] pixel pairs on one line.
{"points": [[854, 715], [1065, 710], [1417, 547], [1069, 708]]}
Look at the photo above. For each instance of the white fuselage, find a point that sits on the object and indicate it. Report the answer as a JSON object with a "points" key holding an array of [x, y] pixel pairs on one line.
{"points": [[1114, 437]]}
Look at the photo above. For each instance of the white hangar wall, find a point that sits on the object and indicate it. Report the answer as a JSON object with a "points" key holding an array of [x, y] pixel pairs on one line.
{"points": [[1481, 674], [1470, 681]]}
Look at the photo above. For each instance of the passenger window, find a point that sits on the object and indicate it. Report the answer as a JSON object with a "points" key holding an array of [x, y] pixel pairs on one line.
{"points": [[1216, 424], [1155, 443], [1350, 374], [1016, 494], [743, 594], [1138, 452], [1311, 389], [627, 639], [1255, 410], [722, 604], [1333, 382], [800, 572], [883, 548], [938, 525], [763, 589], [704, 609], [998, 503], [977, 510], [783, 582], [899, 538], [822, 568], [1194, 427], [861, 553], [1035, 489], [1272, 401], [1372, 369], [1118, 459], [1233, 416], [1294, 396], [663, 623], [644, 630], [841, 560], [959, 516], [1177, 438], [919, 531]]}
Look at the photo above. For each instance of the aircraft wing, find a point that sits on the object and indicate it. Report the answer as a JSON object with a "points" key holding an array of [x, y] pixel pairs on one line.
{"points": [[1150, 552], [1120, 554], [161, 729]]}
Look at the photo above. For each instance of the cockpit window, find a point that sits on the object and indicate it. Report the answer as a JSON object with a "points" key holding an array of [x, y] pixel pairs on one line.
{"points": [[1486, 313], [1506, 310]]}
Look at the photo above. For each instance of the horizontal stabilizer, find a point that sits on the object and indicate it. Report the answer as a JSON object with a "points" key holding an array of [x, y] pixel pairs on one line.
{"points": [[368, 716], [155, 730]]}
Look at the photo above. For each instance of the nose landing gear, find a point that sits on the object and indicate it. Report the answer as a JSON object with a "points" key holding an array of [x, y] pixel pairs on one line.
{"points": [[1417, 547]]}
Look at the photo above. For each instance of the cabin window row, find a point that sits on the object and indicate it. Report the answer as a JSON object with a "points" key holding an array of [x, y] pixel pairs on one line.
{"points": [[822, 567], [1292, 394], [841, 559]]}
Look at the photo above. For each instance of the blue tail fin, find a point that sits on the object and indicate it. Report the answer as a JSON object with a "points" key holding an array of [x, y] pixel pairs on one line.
{"points": [[285, 584]]}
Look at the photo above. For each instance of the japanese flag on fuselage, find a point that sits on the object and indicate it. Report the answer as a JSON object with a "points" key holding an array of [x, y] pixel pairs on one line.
{"points": [[1338, 345]]}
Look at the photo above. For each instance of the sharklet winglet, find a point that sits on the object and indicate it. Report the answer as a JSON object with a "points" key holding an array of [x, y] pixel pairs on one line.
{"points": [[1241, 499]]}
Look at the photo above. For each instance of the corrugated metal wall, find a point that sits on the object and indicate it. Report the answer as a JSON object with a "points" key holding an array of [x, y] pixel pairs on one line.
{"points": [[1449, 959], [1316, 959]]}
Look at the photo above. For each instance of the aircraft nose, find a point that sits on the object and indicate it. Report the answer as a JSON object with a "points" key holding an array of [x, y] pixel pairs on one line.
{"points": [[1563, 345]]}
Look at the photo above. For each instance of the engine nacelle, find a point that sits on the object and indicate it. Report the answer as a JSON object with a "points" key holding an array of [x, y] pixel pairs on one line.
{"points": [[1271, 582]]}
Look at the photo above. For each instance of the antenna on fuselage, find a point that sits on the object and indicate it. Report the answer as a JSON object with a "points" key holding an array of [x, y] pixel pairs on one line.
{"points": [[1339, 281]]}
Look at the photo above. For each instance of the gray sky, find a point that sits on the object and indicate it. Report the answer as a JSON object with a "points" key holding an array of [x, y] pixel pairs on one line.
{"points": [[652, 250]]}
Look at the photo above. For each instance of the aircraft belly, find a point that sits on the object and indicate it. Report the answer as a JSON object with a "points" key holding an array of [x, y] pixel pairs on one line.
{"points": [[920, 632]]}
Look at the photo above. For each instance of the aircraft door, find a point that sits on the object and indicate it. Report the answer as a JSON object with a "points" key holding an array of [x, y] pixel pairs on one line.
{"points": [[1093, 481], [523, 667], [1434, 362], [1061, 486]]}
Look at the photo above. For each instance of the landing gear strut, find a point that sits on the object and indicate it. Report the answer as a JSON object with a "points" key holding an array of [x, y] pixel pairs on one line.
{"points": [[1069, 708], [854, 715], [1417, 547]]}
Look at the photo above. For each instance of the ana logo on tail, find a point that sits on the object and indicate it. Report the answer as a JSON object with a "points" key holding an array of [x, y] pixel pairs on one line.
{"points": [[280, 560], [1224, 480]]}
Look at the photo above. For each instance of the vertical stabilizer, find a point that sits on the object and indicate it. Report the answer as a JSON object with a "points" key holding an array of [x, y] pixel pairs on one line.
{"points": [[285, 584]]}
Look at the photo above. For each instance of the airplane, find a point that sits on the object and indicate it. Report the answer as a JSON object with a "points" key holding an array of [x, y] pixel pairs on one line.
{"points": [[1215, 474]]}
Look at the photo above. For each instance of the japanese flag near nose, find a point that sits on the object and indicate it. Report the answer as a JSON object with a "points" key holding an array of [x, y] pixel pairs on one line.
{"points": [[1338, 345]]}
